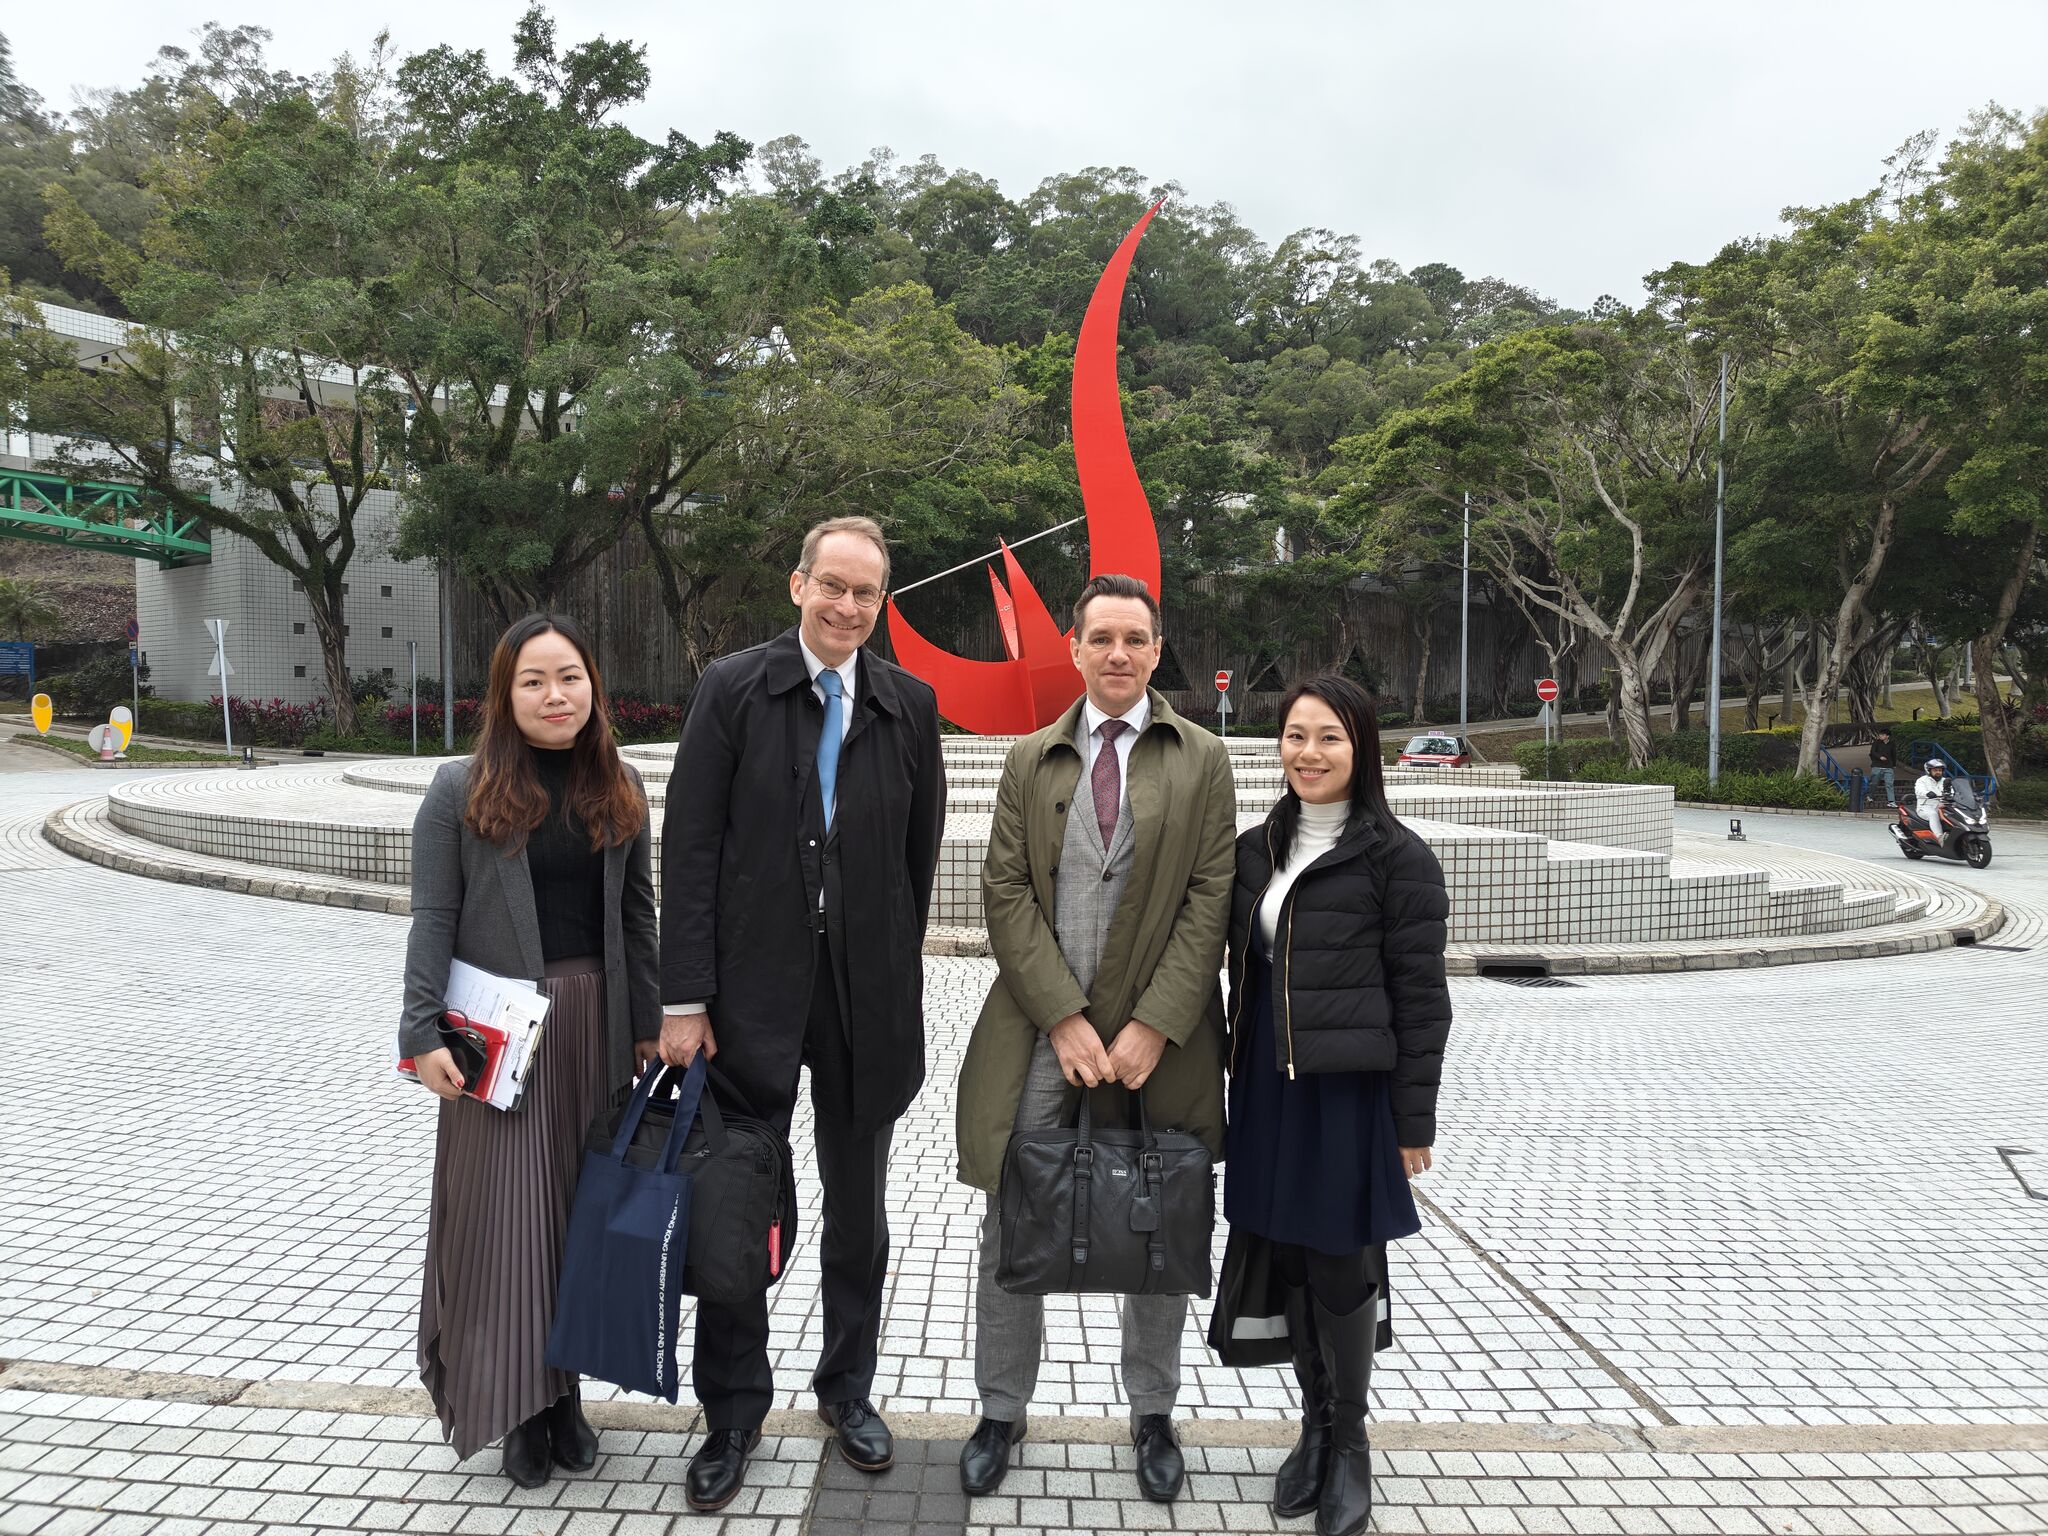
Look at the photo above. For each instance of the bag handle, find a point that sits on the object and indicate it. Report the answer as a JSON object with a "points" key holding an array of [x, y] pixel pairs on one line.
{"points": [[1144, 1116], [689, 1096], [636, 1106], [687, 1102], [706, 1106], [1084, 1176]]}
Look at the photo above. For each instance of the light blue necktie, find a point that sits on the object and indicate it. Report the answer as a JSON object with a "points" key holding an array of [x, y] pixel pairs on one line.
{"points": [[828, 740]]}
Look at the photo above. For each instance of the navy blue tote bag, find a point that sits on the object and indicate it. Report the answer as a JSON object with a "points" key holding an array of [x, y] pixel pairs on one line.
{"points": [[621, 1295]]}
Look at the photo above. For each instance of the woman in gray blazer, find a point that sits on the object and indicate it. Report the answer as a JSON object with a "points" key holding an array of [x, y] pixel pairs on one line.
{"points": [[530, 859]]}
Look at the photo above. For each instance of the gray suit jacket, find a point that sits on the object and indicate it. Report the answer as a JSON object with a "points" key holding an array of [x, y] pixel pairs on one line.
{"points": [[472, 902]]}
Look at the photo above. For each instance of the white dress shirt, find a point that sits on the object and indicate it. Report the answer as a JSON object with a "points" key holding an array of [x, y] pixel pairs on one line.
{"points": [[848, 670], [1137, 718]]}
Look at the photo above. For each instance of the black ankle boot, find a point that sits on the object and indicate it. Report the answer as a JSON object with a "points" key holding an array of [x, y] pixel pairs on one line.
{"points": [[571, 1440], [1346, 1340], [526, 1452], [1298, 1485]]}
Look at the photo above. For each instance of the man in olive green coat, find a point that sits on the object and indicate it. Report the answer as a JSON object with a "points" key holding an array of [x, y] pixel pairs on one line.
{"points": [[1107, 889]]}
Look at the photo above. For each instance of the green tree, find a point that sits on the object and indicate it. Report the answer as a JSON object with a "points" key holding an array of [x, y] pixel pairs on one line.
{"points": [[882, 410], [545, 328], [1850, 421], [26, 613], [1978, 318], [1588, 455], [250, 367]]}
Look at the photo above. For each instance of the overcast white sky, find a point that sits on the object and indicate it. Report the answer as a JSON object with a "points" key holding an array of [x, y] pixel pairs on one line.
{"points": [[1572, 146]]}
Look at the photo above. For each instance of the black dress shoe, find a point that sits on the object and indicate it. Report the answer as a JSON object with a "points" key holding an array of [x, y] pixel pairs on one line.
{"points": [[571, 1440], [1161, 1468], [526, 1452], [864, 1440], [718, 1468], [985, 1458]]}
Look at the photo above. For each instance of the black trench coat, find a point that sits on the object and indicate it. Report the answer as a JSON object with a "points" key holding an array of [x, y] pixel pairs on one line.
{"points": [[744, 858]]}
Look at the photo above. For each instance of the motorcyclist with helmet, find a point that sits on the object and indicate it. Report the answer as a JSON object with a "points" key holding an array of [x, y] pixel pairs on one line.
{"points": [[1928, 792]]}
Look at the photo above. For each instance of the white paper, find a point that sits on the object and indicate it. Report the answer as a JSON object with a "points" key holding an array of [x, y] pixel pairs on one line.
{"points": [[510, 1003]]}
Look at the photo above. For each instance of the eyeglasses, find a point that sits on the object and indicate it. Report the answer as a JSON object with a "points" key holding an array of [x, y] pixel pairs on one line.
{"points": [[832, 589]]}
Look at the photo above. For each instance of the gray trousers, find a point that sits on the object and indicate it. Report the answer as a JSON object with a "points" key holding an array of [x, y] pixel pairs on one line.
{"points": [[1009, 1331]]}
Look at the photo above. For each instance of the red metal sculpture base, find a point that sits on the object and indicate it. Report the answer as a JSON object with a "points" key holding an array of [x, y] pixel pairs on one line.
{"points": [[1037, 682]]}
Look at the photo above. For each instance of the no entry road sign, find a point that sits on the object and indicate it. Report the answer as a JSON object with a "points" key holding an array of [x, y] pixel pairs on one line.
{"points": [[1546, 688], [1223, 682]]}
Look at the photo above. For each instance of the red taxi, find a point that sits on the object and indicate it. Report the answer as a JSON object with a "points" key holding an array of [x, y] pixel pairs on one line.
{"points": [[1432, 750]]}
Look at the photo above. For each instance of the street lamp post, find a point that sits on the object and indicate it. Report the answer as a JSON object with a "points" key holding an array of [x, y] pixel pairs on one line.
{"points": [[1720, 518], [1464, 614]]}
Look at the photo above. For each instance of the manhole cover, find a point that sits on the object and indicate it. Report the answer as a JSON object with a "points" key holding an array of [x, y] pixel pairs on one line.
{"points": [[1532, 981]]}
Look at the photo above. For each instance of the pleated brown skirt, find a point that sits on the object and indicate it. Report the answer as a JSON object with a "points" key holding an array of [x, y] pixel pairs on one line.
{"points": [[503, 1182]]}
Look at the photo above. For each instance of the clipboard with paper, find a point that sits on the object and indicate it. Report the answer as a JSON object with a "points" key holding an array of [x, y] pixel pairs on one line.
{"points": [[504, 1014], [511, 1004]]}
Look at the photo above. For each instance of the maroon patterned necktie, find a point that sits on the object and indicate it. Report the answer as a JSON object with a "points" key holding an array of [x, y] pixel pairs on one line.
{"points": [[1106, 779]]}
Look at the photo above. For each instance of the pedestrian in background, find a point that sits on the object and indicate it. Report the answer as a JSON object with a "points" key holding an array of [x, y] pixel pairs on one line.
{"points": [[1884, 762], [1339, 1012], [530, 859]]}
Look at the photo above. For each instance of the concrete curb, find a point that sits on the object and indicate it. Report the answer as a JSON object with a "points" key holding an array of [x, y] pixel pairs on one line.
{"points": [[24, 739], [68, 827], [795, 1423], [1771, 810], [61, 828]]}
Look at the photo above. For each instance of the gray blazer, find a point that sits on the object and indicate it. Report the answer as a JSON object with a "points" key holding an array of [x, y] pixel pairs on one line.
{"points": [[471, 902]]}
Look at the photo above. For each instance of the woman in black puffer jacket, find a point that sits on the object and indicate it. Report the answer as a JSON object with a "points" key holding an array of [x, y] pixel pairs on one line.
{"points": [[1338, 1015]]}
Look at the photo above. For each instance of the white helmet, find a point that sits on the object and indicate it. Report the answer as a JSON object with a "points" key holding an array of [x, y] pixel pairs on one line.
{"points": [[1936, 765]]}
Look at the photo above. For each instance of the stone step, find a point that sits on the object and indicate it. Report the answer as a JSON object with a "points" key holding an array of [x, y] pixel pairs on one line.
{"points": [[86, 831], [1516, 872]]}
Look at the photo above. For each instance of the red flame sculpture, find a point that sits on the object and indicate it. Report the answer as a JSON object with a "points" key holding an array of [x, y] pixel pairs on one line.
{"points": [[1037, 682]]}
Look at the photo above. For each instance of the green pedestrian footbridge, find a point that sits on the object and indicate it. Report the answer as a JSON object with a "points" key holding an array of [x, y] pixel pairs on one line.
{"points": [[100, 517]]}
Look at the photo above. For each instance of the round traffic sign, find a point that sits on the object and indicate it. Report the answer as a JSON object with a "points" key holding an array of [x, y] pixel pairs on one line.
{"points": [[134, 630], [1546, 688], [1222, 682]]}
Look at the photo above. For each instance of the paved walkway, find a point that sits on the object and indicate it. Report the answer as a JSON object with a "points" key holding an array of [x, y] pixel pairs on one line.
{"points": [[1741, 1251]]}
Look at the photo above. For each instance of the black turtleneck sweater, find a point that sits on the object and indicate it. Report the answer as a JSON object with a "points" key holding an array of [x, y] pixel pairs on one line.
{"points": [[568, 874]]}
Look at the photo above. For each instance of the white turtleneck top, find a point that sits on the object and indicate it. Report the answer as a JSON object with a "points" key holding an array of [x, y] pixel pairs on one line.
{"points": [[1316, 835]]}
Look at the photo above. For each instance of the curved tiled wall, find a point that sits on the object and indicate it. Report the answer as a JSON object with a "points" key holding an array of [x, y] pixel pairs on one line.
{"points": [[1536, 863]]}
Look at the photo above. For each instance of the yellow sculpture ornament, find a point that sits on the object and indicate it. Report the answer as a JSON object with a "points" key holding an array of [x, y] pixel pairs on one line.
{"points": [[41, 710]]}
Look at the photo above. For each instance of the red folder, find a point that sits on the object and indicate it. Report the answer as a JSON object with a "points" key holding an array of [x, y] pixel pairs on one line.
{"points": [[489, 1036]]}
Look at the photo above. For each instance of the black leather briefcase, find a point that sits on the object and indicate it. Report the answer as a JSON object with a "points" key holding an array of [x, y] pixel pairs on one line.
{"points": [[1123, 1212]]}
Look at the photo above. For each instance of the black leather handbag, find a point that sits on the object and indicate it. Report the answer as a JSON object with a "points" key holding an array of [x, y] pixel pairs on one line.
{"points": [[742, 1195], [1122, 1212]]}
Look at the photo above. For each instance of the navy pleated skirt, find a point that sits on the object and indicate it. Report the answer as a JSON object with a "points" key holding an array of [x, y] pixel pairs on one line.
{"points": [[1315, 1160]]}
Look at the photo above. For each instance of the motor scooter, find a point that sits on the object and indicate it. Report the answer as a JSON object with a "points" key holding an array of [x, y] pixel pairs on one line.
{"points": [[1960, 835]]}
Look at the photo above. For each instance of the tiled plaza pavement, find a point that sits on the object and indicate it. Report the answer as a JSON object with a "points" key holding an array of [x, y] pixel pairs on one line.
{"points": [[1693, 1243]]}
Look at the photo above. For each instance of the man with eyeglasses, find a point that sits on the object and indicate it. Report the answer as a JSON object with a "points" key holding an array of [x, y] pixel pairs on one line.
{"points": [[798, 853]]}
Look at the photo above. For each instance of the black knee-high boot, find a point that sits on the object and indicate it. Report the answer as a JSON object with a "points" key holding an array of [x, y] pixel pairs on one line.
{"points": [[1298, 1485], [1346, 1340]]}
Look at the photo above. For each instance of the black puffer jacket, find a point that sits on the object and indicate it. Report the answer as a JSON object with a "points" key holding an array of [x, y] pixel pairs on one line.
{"points": [[1358, 965]]}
